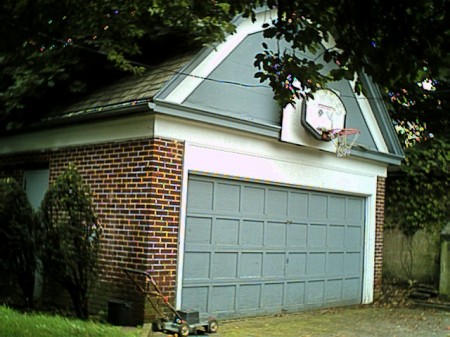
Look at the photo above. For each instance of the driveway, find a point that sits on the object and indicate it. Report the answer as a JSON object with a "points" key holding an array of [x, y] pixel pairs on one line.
{"points": [[394, 314], [357, 321]]}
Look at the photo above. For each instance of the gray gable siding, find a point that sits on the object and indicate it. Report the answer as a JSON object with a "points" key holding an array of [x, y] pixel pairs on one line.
{"points": [[245, 98], [251, 100]]}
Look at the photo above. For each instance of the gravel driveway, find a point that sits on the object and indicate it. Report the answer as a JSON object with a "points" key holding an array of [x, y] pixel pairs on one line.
{"points": [[358, 321], [394, 314]]}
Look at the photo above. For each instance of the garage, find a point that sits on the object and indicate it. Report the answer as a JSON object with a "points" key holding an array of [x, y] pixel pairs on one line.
{"points": [[253, 248]]}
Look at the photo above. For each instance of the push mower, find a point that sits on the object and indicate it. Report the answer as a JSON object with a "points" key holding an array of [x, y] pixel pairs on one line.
{"points": [[183, 322]]}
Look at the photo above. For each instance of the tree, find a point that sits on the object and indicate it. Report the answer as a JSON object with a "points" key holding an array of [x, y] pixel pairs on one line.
{"points": [[72, 237], [19, 237], [417, 197], [63, 46]]}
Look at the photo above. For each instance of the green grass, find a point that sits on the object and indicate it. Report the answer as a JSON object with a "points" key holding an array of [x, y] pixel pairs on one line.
{"points": [[16, 324]]}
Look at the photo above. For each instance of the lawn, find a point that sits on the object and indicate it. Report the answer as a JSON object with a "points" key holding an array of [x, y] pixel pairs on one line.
{"points": [[16, 324]]}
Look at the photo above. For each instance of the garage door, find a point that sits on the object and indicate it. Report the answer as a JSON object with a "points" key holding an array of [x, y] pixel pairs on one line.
{"points": [[254, 249]]}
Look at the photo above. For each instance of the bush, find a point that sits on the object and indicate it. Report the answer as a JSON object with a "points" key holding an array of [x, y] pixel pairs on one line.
{"points": [[72, 237], [18, 238]]}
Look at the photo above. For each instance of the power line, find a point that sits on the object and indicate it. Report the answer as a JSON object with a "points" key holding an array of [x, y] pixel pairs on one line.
{"points": [[220, 81]]}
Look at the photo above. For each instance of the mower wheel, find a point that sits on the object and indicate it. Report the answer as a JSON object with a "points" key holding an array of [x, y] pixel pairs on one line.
{"points": [[213, 325], [184, 329], [157, 325]]}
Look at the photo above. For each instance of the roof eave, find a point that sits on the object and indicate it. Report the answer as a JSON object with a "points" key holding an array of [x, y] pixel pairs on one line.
{"points": [[84, 116]]}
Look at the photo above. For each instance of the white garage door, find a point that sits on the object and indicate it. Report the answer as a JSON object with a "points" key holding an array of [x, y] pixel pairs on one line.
{"points": [[253, 248]]}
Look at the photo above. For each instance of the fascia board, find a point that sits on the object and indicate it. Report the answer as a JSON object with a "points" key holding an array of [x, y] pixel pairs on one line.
{"points": [[179, 110], [381, 115]]}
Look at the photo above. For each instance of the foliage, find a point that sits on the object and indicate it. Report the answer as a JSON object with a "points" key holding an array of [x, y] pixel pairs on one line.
{"points": [[72, 237], [18, 237], [52, 49], [417, 197], [420, 111], [15, 324]]}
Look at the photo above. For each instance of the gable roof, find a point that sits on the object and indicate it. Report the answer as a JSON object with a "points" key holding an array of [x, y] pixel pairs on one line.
{"points": [[219, 87]]}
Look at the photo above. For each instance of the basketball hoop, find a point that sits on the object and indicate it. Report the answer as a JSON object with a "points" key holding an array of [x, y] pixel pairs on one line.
{"points": [[343, 140]]}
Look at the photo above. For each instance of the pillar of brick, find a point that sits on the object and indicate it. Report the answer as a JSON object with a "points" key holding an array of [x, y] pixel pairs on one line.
{"points": [[166, 169], [379, 223]]}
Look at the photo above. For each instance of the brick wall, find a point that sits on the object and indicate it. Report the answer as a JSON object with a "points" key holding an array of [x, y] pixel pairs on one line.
{"points": [[379, 223], [136, 188]]}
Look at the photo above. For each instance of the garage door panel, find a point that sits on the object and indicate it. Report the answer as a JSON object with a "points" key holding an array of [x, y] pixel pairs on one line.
{"points": [[295, 294], [336, 208], [298, 205], [226, 231], [335, 265], [351, 288], [251, 265], [249, 297], [318, 206], [198, 230], [315, 292], [296, 266], [277, 203], [223, 299], [197, 265], [352, 263], [252, 248], [316, 264], [317, 235], [272, 295], [355, 210], [273, 265], [336, 236], [252, 233], [200, 195], [224, 265], [228, 197], [333, 292], [353, 237], [275, 234], [197, 297], [297, 235], [253, 200]]}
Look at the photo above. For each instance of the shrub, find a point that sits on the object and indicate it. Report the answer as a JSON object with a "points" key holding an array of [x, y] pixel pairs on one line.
{"points": [[18, 238], [72, 237]]}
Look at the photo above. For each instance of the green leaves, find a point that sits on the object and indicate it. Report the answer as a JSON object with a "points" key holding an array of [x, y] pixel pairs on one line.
{"points": [[19, 238], [417, 197], [72, 236]]}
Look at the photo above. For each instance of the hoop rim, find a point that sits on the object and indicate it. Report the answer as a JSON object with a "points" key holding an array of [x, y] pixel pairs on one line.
{"points": [[343, 131]]}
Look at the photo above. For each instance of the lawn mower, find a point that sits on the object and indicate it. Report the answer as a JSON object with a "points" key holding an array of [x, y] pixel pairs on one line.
{"points": [[183, 322]]}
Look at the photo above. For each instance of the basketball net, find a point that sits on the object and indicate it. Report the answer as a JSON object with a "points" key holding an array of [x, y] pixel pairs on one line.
{"points": [[343, 140]]}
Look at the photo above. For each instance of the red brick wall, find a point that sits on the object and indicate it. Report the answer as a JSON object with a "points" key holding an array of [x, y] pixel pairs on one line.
{"points": [[379, 223], [136, 188]]}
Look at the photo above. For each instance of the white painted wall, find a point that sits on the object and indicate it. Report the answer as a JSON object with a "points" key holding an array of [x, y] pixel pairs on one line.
{"points": [[114, 130]]}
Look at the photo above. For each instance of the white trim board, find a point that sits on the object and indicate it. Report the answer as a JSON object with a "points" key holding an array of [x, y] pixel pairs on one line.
{"points": [[114, 130]]}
